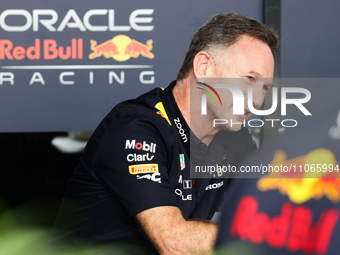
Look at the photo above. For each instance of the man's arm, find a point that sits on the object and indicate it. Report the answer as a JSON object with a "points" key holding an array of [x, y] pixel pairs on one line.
{"points": [[172, 234]]}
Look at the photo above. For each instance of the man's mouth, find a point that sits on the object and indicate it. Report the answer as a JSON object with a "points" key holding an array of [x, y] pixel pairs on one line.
{"points": [[246, 114]]}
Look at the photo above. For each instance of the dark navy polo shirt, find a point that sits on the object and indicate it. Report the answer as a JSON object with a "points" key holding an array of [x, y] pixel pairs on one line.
{"points": [[139, 158]]}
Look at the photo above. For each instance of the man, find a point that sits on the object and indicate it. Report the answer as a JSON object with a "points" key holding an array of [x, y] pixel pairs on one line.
{"points": [[133, 181]]}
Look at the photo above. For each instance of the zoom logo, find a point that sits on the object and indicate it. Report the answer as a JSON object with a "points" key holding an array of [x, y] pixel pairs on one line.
{"points": [[181, 130]]}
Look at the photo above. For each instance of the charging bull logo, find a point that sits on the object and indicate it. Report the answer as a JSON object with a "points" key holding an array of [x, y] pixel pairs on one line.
{"points": [[313, 175], [159, 106], [121, 48], [108, 49]]}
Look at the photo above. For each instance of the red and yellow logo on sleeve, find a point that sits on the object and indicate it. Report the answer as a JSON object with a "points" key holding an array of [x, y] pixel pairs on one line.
{"points": [[143, 169], [159, 106]]}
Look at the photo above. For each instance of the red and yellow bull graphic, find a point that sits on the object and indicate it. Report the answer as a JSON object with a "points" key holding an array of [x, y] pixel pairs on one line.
{"points": [[292, 230], [317, 175], [162, 111], [121, 48]]}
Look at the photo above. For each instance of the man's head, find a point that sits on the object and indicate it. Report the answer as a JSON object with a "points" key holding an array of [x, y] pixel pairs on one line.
{"points": [[221, 32], [232, 46]]}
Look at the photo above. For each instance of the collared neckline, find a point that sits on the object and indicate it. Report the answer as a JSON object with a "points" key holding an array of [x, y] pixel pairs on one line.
{"points": [[193, 141], [174, 112]]}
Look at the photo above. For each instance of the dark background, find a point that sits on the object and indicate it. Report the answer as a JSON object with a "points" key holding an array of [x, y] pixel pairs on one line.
{"points": [[34, 175]]}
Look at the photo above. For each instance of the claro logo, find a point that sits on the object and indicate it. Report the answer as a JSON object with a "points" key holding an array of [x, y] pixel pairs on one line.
{"points": [[49, 19]]}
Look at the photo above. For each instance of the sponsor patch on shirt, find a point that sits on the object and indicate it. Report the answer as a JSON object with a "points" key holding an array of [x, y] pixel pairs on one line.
{"points": [[133, 145], [139, 157], [143, 169], [214, 186], [187, 184], [181, 159], [155, 177], [159, 106], [180, 129]]}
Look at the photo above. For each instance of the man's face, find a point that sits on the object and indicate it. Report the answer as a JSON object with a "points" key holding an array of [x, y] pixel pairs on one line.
{"points": [[251, 62]]}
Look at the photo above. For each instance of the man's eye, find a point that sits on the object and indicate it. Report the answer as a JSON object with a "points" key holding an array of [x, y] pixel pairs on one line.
{"points": [[250, 78]]}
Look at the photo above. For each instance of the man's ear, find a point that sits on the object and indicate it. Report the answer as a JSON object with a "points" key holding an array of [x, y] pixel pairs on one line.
{"points": [[202, 64]]}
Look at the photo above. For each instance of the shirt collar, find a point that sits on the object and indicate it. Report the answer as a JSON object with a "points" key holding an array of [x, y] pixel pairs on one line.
{"points": [[176, 117], [191, 141]]}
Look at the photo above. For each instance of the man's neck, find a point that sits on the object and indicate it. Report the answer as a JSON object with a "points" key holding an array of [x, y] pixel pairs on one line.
{"points": [[181, 94], [202, 131]]}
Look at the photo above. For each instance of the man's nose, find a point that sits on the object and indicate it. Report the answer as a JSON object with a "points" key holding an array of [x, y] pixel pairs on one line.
{"points": [[257, 96]]}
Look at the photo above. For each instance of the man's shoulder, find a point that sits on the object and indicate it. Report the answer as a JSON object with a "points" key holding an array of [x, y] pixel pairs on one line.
{"points": [[148, 108], [142, 105], [142, 119]]}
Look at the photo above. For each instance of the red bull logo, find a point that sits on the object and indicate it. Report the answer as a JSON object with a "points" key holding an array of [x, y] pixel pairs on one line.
{"points": [[162, 111], [294, 229], [121, 48], [313, 175], [108, 49]]}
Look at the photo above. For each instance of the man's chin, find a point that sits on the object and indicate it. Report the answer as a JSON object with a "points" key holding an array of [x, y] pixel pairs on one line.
{"points": [[233, 128], [235, 124]]}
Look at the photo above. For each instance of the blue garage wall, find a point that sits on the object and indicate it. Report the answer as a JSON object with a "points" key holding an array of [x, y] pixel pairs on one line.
{"points": [[310, 38], [48, 105]]}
